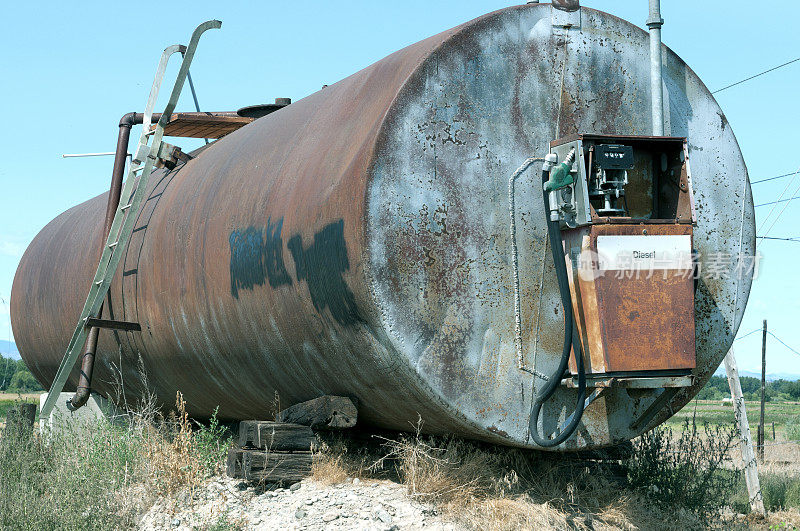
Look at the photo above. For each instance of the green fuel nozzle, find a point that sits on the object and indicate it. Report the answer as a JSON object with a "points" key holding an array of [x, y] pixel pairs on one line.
{"points": [[561, 175]]}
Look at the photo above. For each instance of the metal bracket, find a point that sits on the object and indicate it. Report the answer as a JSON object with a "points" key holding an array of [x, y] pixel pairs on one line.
{"points": [[645, 382], [594, 395], [656, 406], [169, 156], [561, 18]]}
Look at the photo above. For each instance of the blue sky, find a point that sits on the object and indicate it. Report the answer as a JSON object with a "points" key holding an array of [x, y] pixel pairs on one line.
{"points": [[72, 69]]}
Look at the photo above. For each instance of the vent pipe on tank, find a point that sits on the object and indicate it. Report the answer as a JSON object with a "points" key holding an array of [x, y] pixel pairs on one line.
{"points": [[654, 23]]}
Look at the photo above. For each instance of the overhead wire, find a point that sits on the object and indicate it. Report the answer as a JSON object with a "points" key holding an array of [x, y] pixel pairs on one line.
{"points": [[783, 192], [782, 342], [780, 198], [764, 235], [797, 240], [778, 201], [755, 76], [748, 333], [774, 221], [773, 178]]}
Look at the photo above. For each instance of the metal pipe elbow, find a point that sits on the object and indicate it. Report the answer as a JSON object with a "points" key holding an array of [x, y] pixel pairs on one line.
{"points": [[79, 399]]}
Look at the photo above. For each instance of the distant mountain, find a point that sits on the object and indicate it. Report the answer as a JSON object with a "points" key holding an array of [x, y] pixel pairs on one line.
{"points": [[8, 349], [771, 376]]}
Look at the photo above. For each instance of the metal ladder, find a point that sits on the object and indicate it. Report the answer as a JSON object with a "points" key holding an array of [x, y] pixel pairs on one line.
{"points": [[131, 196]]}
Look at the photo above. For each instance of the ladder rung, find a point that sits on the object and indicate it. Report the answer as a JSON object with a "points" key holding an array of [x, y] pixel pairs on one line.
{"points": [[125, 207], [116, 325], [112, 245]]}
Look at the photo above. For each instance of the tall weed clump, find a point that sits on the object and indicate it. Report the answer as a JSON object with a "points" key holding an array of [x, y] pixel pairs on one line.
{"points": [[99, 475], [685, 469], [780, 492], [793, 429], [181, 452], [76, 478]]}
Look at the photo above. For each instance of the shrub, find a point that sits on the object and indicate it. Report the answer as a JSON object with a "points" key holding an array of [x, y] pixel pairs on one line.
{"points": [[793, 389], [780, 491], [793, 429], [684, 469]]}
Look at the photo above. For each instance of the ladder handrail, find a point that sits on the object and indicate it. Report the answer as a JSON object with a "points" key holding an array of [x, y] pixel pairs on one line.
{"points": [[184, 70], [151, 99]]}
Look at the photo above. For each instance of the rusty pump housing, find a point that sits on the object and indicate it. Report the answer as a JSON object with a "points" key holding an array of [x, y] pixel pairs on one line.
{"points": [[620, 213], [627, 228]]}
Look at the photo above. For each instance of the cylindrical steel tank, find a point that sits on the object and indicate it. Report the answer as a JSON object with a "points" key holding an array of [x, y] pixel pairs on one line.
{"points": [[356, 242]]}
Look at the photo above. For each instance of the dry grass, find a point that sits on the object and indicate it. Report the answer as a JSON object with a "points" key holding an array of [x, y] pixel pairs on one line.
{"points": [[779, 520], [44, 479], [25, 397], [334, 462], [490, 488], [176, 456]]}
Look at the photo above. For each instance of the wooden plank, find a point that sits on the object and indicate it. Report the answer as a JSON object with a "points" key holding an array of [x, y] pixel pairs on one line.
{"points": [[275, 436], [748, 456], [268, 467], [325, 412], [203, 125]]}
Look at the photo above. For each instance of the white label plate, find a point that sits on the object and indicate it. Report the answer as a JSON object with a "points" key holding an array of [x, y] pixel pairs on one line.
{"points": [[642, 252]]}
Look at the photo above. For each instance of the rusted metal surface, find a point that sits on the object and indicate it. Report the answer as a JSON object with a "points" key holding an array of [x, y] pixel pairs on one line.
{"points": [[356, 242], [644, 320]]}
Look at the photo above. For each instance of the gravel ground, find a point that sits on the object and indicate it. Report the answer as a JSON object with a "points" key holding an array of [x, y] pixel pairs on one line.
{"points": [[373, 505]]}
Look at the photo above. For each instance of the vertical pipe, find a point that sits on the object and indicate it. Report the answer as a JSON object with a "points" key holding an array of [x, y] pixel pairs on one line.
{"points": [[763, 388], [654, 23], [87, 362]]}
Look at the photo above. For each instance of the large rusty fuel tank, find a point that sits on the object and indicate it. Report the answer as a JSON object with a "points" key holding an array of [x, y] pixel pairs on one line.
{"points": [[356, 242]]}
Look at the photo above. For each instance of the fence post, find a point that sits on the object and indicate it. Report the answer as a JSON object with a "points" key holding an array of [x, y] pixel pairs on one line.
{"points": [[761, 435], [748, 456]]}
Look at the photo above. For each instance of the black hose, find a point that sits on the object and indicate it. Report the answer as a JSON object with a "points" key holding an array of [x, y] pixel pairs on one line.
{"points": [[571, 340]]}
